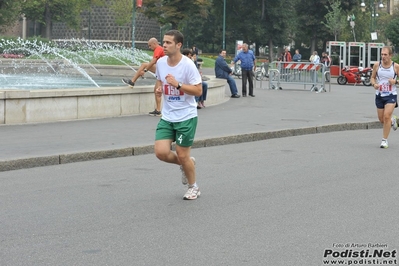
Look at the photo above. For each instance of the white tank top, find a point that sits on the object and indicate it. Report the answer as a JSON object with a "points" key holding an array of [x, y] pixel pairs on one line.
{"points": [[383, 76]]}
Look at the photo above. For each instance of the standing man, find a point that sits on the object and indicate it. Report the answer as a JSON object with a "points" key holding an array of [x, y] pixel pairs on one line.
{"points": [[195, 54], [179, 81], [248, 64], [195, 50], [158, 53], [297, 56], [223, 71], [383, 80]]}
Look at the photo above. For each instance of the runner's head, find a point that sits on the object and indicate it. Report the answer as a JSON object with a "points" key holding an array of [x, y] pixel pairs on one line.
{"points": [[386, 54], [172, 42]]}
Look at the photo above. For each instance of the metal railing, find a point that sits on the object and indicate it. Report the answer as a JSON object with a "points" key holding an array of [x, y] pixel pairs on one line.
{"points": [[301, 73]]}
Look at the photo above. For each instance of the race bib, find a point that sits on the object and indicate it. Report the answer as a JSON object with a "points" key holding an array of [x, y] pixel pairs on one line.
{"points": [[385, 88], [172, 94]]}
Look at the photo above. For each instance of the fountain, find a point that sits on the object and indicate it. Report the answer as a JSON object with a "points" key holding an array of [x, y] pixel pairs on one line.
{"points": [[58, 81]]}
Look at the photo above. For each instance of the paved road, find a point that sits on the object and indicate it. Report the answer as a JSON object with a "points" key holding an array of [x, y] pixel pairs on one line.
{"points": [[277, 202], [236, 120]]}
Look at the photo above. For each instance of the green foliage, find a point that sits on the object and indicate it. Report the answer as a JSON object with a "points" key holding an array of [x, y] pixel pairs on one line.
{"points": [[392, 31], [123, 11], [311, 14], [9, 11], [175, 11], [47, 11], [335, 20]]}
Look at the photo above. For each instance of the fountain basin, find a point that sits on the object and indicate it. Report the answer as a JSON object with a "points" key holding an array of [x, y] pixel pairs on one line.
{"points": [[65, 104]]}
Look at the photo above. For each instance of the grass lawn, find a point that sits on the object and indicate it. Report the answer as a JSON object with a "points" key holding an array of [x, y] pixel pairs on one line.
{"points": [[102, 59], [208, 62]]}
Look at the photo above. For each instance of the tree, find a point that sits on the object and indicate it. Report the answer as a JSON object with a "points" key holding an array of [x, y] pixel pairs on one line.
{"points": [[311, 13], [175, 11], [123, 11], [9, 12], [48, 11], [277, 23], [335, 20], [392, 31], [264, 22]]}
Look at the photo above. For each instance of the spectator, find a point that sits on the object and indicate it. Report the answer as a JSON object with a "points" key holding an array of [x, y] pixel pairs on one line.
{"points": [[195, 50], [297, 56], [150, 66], [223, 71], [287, 56], [315, 59], [199, 99], [195, 55], [326, 61], [248, 64]]}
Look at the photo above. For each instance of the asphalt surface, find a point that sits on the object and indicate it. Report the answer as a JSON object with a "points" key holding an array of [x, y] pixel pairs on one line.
{"points": [[272, 113], [279, 202], [317, 190]]}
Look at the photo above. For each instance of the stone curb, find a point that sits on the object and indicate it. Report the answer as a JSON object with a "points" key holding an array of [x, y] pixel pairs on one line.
{"points": [[15, 164]]}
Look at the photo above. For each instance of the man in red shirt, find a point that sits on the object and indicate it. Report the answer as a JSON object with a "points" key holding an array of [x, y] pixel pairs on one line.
{"points": [[287, 56], [150, 66]]}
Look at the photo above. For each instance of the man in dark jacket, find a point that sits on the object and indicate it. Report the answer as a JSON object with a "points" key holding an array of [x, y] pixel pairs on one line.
{"points": [[223, 71]]}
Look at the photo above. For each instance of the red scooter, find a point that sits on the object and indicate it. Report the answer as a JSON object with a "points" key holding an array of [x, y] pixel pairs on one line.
{"points": [[355, 75]]}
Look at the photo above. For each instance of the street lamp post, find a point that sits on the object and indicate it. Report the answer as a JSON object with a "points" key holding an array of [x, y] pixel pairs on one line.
{"points": [[374, 14], [133, 23], [224, 25]]}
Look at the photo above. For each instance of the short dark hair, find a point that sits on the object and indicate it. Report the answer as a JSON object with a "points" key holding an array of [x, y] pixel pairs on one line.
{"points": [[177, 36], [187, 52], [221, 50]]}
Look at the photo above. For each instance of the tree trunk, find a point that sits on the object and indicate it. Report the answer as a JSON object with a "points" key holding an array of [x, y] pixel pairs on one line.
{"points": [[313, 45], [271, 56], [47, 17]]}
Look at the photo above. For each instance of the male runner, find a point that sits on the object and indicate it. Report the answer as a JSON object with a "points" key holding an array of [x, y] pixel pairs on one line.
{"points": [[383, 80], [179, 81]]}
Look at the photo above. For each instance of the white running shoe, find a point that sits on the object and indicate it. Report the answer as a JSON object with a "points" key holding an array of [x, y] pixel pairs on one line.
{"points": [[384, 144], [184, 180], [192, 193], [394, 123]]}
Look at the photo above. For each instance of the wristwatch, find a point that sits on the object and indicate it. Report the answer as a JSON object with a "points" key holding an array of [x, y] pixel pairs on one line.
{"points": [[179, 86], [145, 70]]}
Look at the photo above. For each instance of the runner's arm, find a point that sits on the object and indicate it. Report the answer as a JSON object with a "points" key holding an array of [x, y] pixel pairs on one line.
{"points": [[195, 90], [374, 75], [394, 80]]}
